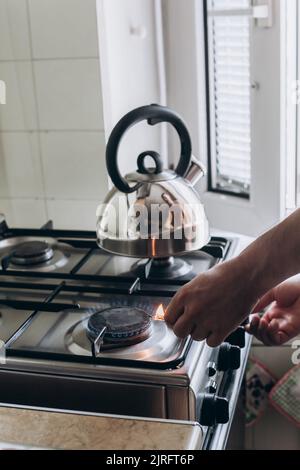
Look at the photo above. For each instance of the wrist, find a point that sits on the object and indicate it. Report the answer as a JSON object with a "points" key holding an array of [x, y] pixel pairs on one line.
{"points": [[256, 271], [241, 277]]}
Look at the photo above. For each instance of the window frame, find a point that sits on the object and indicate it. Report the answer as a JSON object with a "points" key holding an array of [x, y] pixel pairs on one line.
{"points": [[266, 205], [210, 103], [290, 116]]}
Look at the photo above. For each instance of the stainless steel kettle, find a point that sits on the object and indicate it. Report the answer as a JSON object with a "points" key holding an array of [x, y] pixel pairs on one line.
{"points": [[152, 213]]}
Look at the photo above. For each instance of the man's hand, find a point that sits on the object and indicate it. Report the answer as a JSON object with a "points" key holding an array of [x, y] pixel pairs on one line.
{"points": [[281, 322], [213, 304], [216, 302]]}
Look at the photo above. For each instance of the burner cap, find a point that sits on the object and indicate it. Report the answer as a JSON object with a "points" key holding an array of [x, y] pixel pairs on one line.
{"points": [[33, 252], [122, 323]]}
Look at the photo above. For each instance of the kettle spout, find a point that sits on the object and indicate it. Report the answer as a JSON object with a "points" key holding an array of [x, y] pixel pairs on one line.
{"points": [[196, 171]]}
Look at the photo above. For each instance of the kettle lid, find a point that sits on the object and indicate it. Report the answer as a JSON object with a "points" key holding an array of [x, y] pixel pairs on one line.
{"points": [[145, 174]]}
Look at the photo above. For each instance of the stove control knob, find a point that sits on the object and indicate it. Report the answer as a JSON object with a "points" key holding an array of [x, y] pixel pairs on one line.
{"points": [[229, 357], [237, 338], [211, 387], [211, 369], [214, 410]]}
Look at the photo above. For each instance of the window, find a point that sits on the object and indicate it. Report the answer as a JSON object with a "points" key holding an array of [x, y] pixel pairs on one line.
{"points": [[258, 174], [229, 84]]}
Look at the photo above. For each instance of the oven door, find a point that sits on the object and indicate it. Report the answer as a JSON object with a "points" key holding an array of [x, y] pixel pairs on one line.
{"points": [[80, 394]]}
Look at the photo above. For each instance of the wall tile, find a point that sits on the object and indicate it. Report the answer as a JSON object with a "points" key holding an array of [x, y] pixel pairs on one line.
{"points": [[19, 112], [14, 30], [27, 213], [64, 28], [21, 174], [68, 179], [77, 215], [74, 165], [69, 94]]}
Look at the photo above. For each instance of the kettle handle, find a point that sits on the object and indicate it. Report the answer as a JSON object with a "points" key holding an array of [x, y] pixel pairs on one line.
{"points": [[154, 114]]}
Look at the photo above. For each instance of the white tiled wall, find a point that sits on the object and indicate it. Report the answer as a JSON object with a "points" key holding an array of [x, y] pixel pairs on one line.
{"points": [[68, 95], [52, 145], [50, 19], [14, 30], [76, 155], [19, 112]]}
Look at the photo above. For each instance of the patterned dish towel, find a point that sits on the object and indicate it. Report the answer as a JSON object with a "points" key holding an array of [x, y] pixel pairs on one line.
{"points": [[285, 396], [259, 383]]}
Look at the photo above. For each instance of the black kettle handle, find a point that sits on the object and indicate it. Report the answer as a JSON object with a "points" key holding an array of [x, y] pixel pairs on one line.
{"points": [[154, 114]]}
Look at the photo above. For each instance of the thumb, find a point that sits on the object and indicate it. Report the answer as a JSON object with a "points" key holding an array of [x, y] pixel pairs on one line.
{"points": [[287, 293], [264, 301]]}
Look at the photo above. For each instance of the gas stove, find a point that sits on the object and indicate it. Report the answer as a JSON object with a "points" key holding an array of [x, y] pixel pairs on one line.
{"points": [[83, 330]]}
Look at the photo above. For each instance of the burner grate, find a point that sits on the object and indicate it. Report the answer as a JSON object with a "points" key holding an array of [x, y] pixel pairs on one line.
{"points": [[158, 269]]}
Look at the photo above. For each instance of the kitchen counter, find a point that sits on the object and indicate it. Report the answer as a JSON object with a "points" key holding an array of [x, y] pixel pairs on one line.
{"points": [[33, 428]]}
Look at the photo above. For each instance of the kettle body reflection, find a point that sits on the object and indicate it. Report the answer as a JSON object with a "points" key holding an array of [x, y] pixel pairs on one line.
{"points": [[153, 212]]}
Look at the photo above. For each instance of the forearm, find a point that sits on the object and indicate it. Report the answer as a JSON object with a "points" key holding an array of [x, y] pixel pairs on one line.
{"points": [[273, 257]]}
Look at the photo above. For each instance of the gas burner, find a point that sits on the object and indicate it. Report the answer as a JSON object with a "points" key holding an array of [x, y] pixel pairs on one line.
{"points": [[157, 343], [162, 268], [32, 253], [119, 326]]}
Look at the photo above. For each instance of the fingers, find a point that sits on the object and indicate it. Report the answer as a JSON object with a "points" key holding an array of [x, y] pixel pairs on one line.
{"points": [[183, 327], [276, 336], [266, 300], [267, 331], [200, 334], [181, 322], [252, 327], [281, 338], [214, 340], [273, 328], [257, 328], [175, 309], [263, 332]]}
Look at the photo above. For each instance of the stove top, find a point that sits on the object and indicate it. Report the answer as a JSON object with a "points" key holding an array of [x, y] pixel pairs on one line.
{"points": [[84, 330], [61, 331], [63, 298]]}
